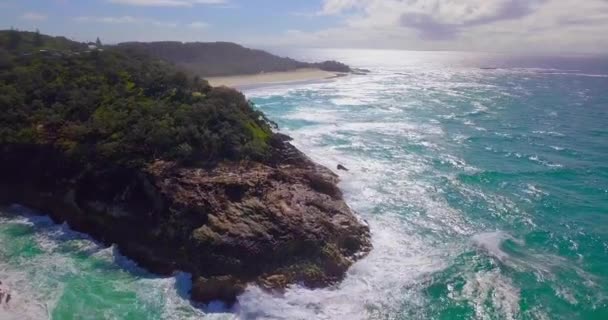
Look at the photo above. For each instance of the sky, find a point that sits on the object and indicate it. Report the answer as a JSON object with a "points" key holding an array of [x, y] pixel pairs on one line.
{"points": [[539, 26]]}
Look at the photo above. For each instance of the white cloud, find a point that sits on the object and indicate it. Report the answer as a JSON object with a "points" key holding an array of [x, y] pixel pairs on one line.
{"points": [[387, 12], [34, 16], [198, 25], [127, 20], [484, 25], [339, 6], [168, 3]]}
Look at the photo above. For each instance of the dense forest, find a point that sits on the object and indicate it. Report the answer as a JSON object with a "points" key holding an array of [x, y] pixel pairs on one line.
{"points": [[118, 106], [224, 58]]}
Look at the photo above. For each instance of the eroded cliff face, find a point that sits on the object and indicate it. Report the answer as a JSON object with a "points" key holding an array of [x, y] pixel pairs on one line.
{"points": [[272, 224]]}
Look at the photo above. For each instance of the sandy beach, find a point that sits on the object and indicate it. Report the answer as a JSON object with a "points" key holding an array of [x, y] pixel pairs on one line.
{"points": [[304, 74]]}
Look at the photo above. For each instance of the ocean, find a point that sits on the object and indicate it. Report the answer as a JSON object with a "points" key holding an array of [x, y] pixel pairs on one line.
{"points": [[483, 177]]}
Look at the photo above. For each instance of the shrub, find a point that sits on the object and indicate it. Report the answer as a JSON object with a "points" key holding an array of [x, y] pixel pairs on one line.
{"points": [[123, 108]]}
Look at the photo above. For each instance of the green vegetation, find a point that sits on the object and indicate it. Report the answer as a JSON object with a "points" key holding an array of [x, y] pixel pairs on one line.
{"points": [[25, 42], [214, 59], [118, 106], [224, 58]]}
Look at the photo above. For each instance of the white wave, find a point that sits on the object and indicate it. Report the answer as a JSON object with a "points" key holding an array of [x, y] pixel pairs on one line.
{"points": [[389, 274], [577, 74], [318, 116], [491, 242], [545, 69], [38, 282], [546, 163], [459, 138], [25, 303], [384, 180], [503, 135], [534, 191], [398, 179], [401, 258], [492, 286], [549, 133], [348, 101], [545, 266], [563, 72], [457, 163], [468, 122], [479, 108], [28, 301]]}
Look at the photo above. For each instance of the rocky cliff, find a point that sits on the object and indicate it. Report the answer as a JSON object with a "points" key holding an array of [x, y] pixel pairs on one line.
{"points": [[177, 174], [231, 224]]}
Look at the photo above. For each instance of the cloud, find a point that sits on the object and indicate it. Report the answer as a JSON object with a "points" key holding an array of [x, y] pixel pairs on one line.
{"points": [[34, 16], [198, 25], [126, 20], [433, 12], [434, 25], [481, 25], [338, 6], [169, 3]]}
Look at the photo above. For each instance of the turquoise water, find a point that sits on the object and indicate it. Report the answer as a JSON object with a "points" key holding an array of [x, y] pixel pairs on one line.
{"points": [[486, 191]]}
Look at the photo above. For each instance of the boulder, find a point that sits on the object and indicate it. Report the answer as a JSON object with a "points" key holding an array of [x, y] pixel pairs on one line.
{"points": [[223, 288], [341, 167]]}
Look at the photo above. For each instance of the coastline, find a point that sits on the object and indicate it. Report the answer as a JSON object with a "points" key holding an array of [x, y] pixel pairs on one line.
{"points": [[248, 209], [281, 77]]}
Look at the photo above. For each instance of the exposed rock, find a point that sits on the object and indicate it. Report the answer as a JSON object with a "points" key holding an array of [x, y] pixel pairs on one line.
{"points": [[341, 167], [275, 282], [236, 223], [5, 293], [359, 71], [224, 288], [333, 66]]}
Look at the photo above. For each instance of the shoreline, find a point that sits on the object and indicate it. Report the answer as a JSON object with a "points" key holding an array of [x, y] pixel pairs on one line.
{"points": [[302, 75]]}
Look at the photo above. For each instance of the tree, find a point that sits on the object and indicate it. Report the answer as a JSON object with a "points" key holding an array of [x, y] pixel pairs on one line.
{"points": [[37, 38], [98, 43], [5, 60], [114, 107], [180, 78], [14, 39]]}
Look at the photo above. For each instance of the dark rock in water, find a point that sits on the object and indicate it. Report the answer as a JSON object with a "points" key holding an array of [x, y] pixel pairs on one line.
{"points": [[4, 292], [341, 167], [224, 288], [278, 139], [359, 71], [333, 66], [236, 223]]}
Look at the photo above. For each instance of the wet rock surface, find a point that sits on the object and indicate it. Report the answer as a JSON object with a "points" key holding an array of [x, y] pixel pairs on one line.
{"points": [[233, 224]]}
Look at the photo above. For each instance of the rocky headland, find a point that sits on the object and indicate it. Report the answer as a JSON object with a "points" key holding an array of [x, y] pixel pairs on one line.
{"points": [[179, 175], [231, 225]]}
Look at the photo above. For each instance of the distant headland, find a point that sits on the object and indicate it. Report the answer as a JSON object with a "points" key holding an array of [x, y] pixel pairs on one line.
{"points": [[225, 63]]}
